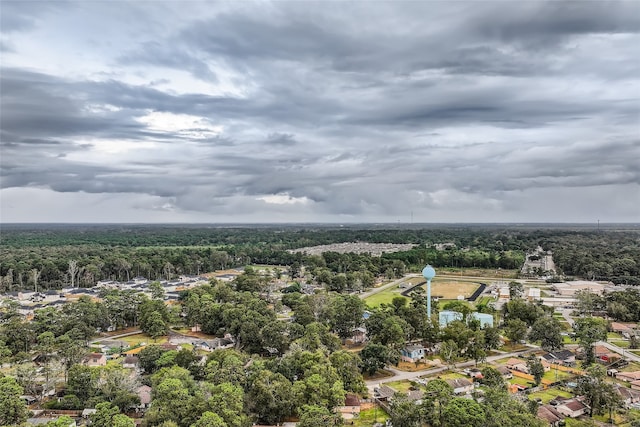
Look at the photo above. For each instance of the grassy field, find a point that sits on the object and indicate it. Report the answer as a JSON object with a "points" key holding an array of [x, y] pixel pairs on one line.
{"points": [[565, 326], [620, 343], [451, 376], [401, 386], [444, 288], [448, 289], [549, 395], [383, 297], [561, 375], [412, 367], [521, 381], [631, 367], [142, 338]]}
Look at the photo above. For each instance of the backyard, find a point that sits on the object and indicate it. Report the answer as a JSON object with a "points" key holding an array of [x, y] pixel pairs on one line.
{"points": [[370, 416], [548, 395]]}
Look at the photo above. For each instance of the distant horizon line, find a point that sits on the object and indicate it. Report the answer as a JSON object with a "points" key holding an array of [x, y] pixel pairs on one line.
{"points": [[595, 223]]}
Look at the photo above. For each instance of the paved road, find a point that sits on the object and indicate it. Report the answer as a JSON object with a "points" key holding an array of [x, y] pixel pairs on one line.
{"points": [[388, 285], [113, 337], [402, 375], [629, 355], [567, 316]]}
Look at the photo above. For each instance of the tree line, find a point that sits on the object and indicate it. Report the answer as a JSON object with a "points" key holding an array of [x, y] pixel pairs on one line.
{"points": [[50, 258]]}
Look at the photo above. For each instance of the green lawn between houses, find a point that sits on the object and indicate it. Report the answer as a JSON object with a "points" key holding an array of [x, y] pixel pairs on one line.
{"points": [[401, 386], [548, 395]]}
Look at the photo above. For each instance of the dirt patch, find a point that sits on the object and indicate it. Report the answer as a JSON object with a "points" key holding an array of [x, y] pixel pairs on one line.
{"points": [[413, 367], [382, 373]]}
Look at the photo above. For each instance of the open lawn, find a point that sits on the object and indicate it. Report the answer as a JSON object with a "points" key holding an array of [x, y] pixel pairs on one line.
{"points": [[521, 381], [613, 336], [413, 367], [565, 326], [143, 338], [549, 395], [368, 417], [552, 375], [620, 343], [383, 297], [618, 419], [631, 367], [509, 348], [447, 289], [451, 375], [401, 386]]}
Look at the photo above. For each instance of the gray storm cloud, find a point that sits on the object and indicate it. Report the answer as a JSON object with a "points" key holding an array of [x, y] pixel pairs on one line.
{"points": [[291, 111]]}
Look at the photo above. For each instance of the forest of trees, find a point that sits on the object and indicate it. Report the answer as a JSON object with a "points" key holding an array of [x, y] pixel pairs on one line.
{"points": [[82, 255]]}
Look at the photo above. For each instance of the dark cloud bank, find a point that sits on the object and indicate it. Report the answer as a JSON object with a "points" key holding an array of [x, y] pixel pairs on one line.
{"points": [[475, 111]]}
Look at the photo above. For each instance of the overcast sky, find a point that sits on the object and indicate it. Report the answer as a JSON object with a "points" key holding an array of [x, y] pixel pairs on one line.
{"points": [[154, 111]]}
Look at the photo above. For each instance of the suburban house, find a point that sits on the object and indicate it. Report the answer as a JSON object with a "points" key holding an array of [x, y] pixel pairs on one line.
{"points": [[560, 357], [215, 344], [635, 385], [621, 328], [359, 335], [628, 376], [517, 365], [473, 373], [384, 393], [170, 347], [572, 408], [351, 406], [415, 396], [144, 393], [505, 372], [96, 359], [628, 396], [549, 414], [461, 385], [412, 353], [131, 362], [603, 353]]}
